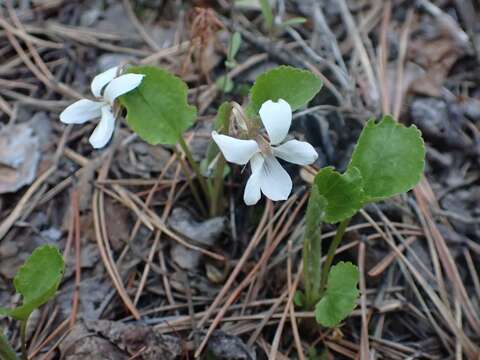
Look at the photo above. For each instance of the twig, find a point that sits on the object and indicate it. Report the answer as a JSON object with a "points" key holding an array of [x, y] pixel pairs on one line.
{"points": [[364, 345], [278, 333], [401, 65], [292, 290], [360, 48], [138, 26]]}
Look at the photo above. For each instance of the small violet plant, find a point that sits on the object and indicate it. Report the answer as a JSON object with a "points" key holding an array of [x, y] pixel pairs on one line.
{"points": [[388, 159]]}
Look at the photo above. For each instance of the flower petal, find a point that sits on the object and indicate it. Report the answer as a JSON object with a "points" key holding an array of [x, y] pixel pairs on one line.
{"points": [[81, 111], [297, 152], [235, 150], [274, 180], [277, 118], [99, 81], [104, 130], [121, 85], [252, 190]]}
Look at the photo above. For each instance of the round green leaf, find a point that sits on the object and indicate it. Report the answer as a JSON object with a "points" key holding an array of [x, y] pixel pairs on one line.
{"points": [[158, 110], [342, 192], [341, 295], [37, 281], [390, 157], [295, 86]]}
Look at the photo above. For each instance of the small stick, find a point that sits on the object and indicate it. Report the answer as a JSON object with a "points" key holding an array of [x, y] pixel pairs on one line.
{"points": [[364, 345], [293, 320], [78, 269]]}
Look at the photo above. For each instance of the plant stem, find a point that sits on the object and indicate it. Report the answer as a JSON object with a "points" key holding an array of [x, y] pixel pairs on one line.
{"points": [[192, 186], [312, 248], [23, 338], [6, 351], [195, 167], [331, 253], [311, 270], [217, 187]]}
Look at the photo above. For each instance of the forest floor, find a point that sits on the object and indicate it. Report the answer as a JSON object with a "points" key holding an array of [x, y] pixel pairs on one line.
{"points": [[148, 276]]}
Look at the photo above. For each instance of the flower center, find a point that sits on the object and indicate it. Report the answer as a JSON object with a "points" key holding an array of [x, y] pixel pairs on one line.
{"points": [[264, 145]]}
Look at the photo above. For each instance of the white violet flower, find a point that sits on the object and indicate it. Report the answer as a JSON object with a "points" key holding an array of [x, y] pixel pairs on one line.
{"points": [[106, 87], [268, 176]]}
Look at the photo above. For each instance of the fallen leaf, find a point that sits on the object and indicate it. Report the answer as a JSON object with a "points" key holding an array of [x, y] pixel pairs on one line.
{"points": [[19, 157], [436, 56]]}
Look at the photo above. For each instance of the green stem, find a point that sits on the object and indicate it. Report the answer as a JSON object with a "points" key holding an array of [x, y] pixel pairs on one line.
{"points": [[311, 269], [192, 186], [312, 248], [6, 351], [23, 338], [195, 167], [331, 253], [217, 187]]}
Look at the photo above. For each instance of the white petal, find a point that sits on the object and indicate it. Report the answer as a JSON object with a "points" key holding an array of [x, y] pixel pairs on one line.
{"points": [[297, 152], [275, 181], [81, 111], [277, 118], [104, 130], [121, 85], [235, 150], [252, 190], [99, 81]]}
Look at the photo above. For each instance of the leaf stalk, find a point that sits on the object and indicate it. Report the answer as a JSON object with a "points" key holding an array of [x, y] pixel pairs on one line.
{"points": [[331, 253], [6, 351]]}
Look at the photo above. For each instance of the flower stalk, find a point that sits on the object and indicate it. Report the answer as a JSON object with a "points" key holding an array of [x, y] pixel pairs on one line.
{"points": [[312, 248], [217, 187], [194, 166], [23, 338]]}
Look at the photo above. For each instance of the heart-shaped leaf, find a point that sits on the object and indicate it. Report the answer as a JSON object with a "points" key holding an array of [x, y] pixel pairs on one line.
{"points": [[158, 110], [342, 192], [295, 86], [37, 281], [390, 157], [341, 295]]}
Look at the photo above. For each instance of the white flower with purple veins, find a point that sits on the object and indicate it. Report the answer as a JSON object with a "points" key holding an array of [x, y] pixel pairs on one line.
{"points": [[106, 87], [268, 176]]}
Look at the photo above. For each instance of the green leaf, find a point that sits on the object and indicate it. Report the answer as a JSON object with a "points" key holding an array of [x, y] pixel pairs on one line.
{"points": [[37, 281], [222, 119], [293, 21], [390, 157], [299, 298], [220, 124], [343, 193], [224, 83], [267, 14], [295, 86], [341, 295], [234, 46], [158, 110]]}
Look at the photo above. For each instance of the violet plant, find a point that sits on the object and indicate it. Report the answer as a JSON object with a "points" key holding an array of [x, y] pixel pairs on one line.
{"points": [[36, 281], [388, 159]]}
